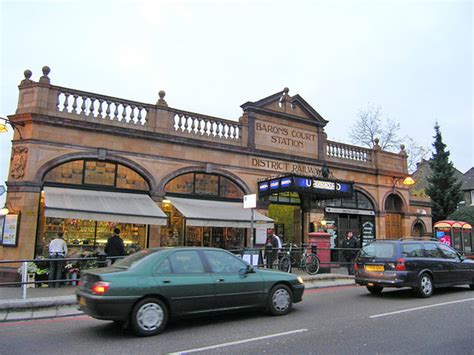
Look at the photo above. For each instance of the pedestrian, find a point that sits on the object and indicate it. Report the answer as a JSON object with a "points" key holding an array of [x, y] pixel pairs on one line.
{"points": [[57, 252], [114, 246], [276, 243], [350, 246]]}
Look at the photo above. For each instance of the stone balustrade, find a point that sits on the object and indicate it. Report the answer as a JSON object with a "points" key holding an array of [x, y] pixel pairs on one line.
{"points": [[207, 126], [338, 151], [100, 107]]}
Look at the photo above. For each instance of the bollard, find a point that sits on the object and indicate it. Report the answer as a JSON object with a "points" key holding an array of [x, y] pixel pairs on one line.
{"points": [[101, 259], [24, 270]]}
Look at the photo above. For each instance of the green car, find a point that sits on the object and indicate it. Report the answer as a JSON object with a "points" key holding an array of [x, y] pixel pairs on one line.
{"points": [[145, 289]]}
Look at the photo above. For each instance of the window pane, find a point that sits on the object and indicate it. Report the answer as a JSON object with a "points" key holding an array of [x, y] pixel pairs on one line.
{"points": [[164, 268], [432, 251], [412, 250], [182, 184], [206, 184], [448, 252], [229, 190], [99, 173], [129, 179], [363, 202], [186, 262], [349, 202], [221, 262], [69, 173]]}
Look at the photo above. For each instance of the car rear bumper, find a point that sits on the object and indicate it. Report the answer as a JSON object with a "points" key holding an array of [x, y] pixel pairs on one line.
{"points": [[103, 307], [385, 279]]}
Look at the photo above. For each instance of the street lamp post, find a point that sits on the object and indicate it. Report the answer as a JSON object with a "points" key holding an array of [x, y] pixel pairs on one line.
{"points": [[5, 121]]}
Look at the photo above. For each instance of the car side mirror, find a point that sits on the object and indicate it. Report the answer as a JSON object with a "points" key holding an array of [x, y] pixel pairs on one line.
{"points": [[461, 257], [246, 270]]}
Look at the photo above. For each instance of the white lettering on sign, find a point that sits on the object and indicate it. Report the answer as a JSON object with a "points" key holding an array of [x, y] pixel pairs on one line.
{"points": [[325, 185]]}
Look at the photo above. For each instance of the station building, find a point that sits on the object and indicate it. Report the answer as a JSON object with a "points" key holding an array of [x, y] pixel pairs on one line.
{"points": [[83, 163]]}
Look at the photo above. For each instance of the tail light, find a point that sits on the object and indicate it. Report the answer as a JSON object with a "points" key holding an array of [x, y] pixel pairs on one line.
{"points": [[400, 265], [100, 287], [356, 266]]}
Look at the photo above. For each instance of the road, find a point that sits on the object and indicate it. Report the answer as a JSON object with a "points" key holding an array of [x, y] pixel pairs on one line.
{"points": [[342, 320]]}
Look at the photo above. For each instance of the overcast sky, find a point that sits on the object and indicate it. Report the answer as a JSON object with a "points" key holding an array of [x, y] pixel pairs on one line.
{"points": [[411, 57]]}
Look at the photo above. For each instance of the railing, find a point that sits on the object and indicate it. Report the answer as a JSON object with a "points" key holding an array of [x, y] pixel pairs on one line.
{"points": [[101, 107], [39, 279], [348, 152], [202, 125]]}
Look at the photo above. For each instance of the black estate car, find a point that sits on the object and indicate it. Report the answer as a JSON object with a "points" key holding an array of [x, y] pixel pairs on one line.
{"points": [[420, 264]]}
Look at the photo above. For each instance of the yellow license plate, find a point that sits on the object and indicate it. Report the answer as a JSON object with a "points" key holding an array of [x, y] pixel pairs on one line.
{"points": [[374, 268], [82, 301]]}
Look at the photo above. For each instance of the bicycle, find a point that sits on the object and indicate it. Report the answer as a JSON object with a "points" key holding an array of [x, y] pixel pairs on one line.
{"points": [[309, 261]]}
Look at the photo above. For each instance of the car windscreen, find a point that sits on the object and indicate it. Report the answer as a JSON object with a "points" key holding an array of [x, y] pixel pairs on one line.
{"points": [[378, 250], [135, 258]]}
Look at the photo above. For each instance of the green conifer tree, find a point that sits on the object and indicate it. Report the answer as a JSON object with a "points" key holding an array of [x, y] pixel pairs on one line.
{"points": [[443, 187]]}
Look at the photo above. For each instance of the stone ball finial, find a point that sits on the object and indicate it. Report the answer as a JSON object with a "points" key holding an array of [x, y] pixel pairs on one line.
{"points": [[45, 79], [376, 144], [27, 73], [161, 101], [286, 90]]}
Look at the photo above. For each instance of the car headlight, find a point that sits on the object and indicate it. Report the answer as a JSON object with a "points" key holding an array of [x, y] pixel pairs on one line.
{"points": [[300, 280]]}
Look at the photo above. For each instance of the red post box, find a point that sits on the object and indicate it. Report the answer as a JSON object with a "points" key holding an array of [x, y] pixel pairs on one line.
{"points": [[322, 240]]}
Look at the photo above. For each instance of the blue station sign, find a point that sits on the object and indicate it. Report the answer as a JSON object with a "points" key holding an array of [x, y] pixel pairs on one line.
{"points": [[324, 188]]}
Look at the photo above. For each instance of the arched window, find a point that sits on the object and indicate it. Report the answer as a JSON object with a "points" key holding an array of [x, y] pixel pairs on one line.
{"points": [[96, 173], [358, 201], [203, 184], [394, 203]]}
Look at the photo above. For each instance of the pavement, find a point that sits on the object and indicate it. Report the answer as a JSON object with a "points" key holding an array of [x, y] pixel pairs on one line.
{"points": [[44, 302]]}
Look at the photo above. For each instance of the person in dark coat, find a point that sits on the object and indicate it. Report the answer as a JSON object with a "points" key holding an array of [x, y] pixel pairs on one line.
{"points": [[349, 243], [114, 246]]}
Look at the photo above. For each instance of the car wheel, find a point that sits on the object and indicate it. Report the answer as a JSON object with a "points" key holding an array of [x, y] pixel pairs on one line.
{"points": [[285, 264], [280, 300], [149, 317], [425, 286], [375, 290]]}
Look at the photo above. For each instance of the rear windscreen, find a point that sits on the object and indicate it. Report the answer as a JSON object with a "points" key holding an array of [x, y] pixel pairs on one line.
{"points": [[133, 259], [378, 250]]}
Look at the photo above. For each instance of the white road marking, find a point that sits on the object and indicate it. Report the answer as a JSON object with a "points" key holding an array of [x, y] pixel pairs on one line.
{"points": [[418, 308], [238, 342]]}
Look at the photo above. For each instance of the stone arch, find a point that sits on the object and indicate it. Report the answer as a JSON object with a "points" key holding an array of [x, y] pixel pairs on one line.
{"points": [[397, 194], [201, 169], [418, 227], [42, 170], [369, 196]]}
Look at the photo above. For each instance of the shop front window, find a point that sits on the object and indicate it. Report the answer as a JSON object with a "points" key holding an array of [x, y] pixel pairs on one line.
{"points": [[172, 234], [87, 236]]}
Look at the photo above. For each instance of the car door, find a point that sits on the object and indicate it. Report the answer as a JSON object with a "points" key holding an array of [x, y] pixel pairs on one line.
{"points": [[457, 274], [184, 281], [437, 264], [234, 288]]}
